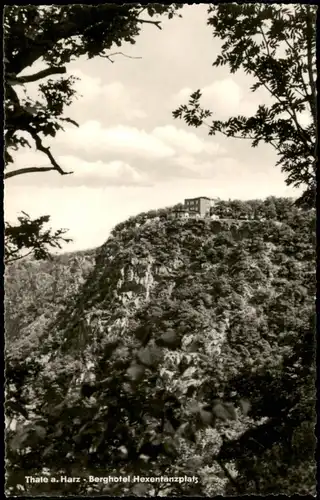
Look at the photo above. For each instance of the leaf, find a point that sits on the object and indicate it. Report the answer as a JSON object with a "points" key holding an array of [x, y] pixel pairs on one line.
{"points": [[220, 411], [169, 339], [149, 356], [191, 370], [40, 431], [69, 120], [230, 410], [193, 407], [168, 428], [123, 452], [245, 406], [18, 440], [206, 417], [135, 372], [169, 448], [140, 489], [48, 450]]}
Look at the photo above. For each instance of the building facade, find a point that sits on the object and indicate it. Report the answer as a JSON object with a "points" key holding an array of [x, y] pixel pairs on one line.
{"points": [[201, 205], [180, 213]]}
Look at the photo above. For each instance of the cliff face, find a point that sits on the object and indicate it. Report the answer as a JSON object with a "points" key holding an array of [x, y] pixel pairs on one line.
{"points": [[173, 276], [182, 309]]}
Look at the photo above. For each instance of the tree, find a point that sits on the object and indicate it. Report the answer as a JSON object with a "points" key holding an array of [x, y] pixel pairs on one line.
{"points": [[56, 35], [275, 44], [30, 237], [279, 455]]}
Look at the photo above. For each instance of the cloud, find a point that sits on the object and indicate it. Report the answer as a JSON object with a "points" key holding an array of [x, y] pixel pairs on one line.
{"points": [[115, 99], [161, 142], [85, 172], [224, 97], [186, 141], [121, 139], [222, 167], [113, 173]]}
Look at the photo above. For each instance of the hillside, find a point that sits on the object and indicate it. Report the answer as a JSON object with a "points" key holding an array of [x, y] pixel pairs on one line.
{"points": [[35, 290], [186, 337]]}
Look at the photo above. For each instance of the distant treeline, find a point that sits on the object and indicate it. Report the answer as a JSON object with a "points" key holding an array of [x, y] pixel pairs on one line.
{"points": [[272, 208]]}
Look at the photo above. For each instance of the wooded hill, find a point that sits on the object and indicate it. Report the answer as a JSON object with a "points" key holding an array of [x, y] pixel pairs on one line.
{"points": [[188, 349]]}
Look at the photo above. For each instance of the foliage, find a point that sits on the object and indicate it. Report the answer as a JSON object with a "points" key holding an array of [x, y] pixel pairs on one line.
{"points": [[55, 35], [275, 44], [187, 339], [30, 235]]}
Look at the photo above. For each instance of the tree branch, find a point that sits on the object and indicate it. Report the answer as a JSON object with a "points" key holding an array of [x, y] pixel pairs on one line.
{"points": [[28, 170], [269, 55], [306, 93], [295, 119], [46, 151], [265, 41], [46, 40], [108, 56], [143, 8], [147, 21], [249, 138], [19, 257], [291, 111], [293, 116], [41, 74]]}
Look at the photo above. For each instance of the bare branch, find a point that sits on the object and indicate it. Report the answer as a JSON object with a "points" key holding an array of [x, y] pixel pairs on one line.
{"points": [[46, 151], [27, 170], [147, 21], [108, 56], [41, 74]]}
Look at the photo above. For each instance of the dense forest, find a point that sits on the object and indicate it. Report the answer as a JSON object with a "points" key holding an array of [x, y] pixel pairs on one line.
{"points": [[178, 348]]}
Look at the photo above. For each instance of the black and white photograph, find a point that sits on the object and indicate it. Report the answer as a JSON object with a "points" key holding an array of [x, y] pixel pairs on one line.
{"points": [[160, 249]]}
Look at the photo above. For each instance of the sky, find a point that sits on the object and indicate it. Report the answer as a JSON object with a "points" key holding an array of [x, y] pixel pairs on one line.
{"points": [[129, 154]]}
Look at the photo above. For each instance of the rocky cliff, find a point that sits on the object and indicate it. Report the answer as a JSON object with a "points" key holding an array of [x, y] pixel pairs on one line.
{"points": [[175, 318]]}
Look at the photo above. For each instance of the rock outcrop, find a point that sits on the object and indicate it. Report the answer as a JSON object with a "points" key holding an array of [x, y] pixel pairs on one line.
{"points": [[171, 309]]}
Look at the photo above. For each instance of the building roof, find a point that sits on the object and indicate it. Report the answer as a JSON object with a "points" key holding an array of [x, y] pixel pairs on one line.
{"points": [[198, 198]]}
